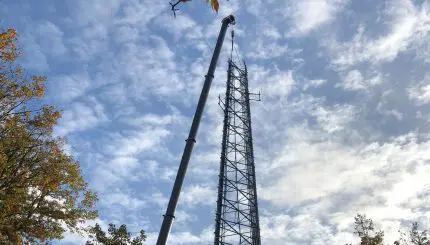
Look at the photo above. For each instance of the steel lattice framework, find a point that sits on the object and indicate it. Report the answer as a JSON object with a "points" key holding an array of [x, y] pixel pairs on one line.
{"points": [[237, 219]]}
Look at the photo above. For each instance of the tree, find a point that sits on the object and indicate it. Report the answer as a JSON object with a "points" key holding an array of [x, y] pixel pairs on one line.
{"points": [[117, 236], [42, 191], [365, 229], [414, 237], [417, 237]]}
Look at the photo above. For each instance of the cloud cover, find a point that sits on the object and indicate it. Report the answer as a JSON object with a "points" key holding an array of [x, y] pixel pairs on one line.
{"points": [[342, 128]]}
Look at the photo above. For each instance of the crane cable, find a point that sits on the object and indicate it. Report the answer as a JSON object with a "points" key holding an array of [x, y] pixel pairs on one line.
{"points": [[234, 48], [232, 44]]}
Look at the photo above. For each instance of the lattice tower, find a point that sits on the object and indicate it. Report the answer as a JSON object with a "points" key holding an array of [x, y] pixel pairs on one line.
{"points": [[237, 221]]}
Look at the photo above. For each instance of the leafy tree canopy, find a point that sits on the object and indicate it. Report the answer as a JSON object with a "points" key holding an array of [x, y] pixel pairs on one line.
{"points": [[365, 230], [42, 191], [116, 236]]}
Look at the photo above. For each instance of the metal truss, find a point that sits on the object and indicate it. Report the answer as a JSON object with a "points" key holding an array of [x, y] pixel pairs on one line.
{"points": [[237, 219]]}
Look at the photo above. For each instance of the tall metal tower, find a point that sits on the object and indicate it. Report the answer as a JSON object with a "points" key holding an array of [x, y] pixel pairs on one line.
{"points": [[237, 219]]}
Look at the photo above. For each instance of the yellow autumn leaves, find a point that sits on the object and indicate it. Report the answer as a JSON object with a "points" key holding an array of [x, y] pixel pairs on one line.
{"points": [[214, 4], [8, 50], [41, 186]]}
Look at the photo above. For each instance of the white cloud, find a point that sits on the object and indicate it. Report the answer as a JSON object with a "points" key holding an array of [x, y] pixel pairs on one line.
{"points": [[184, 238], [420, 93], [138, 13], [168, 174], [42, 40], [97, 19], [314, 83], [198, 195], [123, 166], [35, 59], [354, 81], [254, 7], [335, 118], [270, 31], [127, 201], [70, 87], [279, 84], [404, 24], [267, 50], [311, 14], [95, 12], [159, 199], [126, 33], [51, 38], [395, 113], [206, 164], [74, 238], [321, 177], [273, 83], [321, 159], [135, 142], [408, 26], [300, 229], [157, 62], [151, 167], [81, 116], [129, 168], [180, 27], [182, 217], [92, 21], [155, 120]]}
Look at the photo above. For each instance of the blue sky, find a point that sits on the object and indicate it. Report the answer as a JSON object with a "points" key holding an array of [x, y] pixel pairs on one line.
{"points": [[343, 126]]}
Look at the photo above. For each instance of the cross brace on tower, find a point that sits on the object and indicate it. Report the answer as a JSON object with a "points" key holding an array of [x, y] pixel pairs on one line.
{"points": [[237, 220]]}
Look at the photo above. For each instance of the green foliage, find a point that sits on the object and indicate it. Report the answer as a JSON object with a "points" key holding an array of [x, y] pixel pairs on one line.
{"points": [[116, 236]]}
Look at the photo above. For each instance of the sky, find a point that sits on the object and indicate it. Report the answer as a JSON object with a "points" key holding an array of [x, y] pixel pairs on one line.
{"points": [[342, 128]]}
